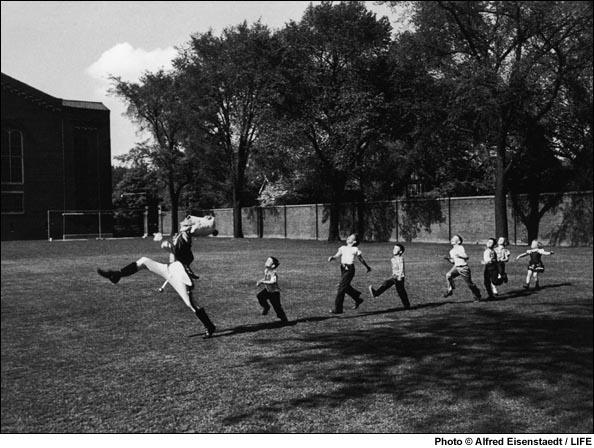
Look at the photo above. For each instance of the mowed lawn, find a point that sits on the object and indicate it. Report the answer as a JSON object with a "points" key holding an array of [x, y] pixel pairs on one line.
{"points": [[81, 355]]}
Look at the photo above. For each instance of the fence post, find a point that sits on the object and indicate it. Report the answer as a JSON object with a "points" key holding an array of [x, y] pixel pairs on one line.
{"points": [[285, 219], [146, 213], [515, 227], [259, 222], [100, 236], [317, 230], [397, 205], [160, 211], [449, 217]]}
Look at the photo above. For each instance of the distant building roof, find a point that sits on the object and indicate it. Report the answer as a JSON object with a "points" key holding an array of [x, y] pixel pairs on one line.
{"points": [[33, 95], [84, 104], [36, 96]]}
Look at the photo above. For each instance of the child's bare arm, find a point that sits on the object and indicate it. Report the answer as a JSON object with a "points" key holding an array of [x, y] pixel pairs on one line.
{"points": [[337, 254], [363, 262], [525, 254]]}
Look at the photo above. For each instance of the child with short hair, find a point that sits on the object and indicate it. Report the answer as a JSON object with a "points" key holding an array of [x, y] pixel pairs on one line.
{"points": [[459, 259], [491, 275], [347, 255], [397, 278], [271, 291], [503, 255], [535, 265]]}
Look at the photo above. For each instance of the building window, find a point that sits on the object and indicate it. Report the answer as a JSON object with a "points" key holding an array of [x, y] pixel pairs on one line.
{"points": [[12, 156], [415, 186], [13, 202]]}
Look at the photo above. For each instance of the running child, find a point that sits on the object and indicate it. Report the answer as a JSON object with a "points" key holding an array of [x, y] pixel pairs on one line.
{"points": [[271, 292], [491, 275], [503, 255], [347, 255], [459, 259], [535, 265], [397, 278]]}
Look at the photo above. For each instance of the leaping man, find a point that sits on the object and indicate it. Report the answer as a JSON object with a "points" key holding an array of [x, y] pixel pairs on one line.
{"points": [[177, 272]]}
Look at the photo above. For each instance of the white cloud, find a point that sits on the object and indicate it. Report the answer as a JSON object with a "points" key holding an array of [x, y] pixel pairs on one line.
{"points": [[128, 63]]}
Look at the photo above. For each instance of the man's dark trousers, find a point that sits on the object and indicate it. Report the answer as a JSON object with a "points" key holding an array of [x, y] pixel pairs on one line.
{"points": [[344, 287]]}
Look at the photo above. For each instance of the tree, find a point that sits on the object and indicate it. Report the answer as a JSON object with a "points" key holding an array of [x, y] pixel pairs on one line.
{"points": [[154, 103], [557, 154], [507, 62], [229, 84], [332, 94], [425, 140], [537, 170]]}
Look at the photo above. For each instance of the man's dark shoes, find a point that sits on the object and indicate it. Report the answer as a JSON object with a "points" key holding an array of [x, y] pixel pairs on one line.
{"points": [[335, 312], [358, 302], [113, 276]]}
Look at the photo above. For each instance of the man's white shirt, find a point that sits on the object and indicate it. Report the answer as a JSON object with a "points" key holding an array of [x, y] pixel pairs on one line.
{"points": [[348, 254]]}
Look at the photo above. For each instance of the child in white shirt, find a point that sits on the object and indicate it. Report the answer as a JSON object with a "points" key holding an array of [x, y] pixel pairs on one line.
{"points": [[460, 269], [396, 279], [347, 256]]}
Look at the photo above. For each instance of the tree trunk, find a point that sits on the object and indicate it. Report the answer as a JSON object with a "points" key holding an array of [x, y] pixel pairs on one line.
{"points": [[333, 228], [174, 219], [361, 208], [174, 205], [237, 222], [533, 221], [335, 207], [501, 227], [361, 219]]}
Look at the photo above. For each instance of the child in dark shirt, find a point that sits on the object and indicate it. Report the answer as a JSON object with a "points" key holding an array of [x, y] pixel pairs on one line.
{"points": [[535, 265], [271, 292]]}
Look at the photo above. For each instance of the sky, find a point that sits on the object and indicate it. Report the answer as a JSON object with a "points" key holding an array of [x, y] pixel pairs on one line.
{"points": [[68, 49]]}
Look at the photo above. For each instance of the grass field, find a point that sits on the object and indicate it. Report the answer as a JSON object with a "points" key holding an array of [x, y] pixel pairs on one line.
{"points": [[81, 355]]}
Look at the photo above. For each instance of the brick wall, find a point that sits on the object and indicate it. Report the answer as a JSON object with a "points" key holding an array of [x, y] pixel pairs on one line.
{"points": [[427, 221]]}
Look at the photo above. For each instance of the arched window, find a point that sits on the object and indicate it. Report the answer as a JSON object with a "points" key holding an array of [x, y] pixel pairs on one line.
{"points": [[12, 156]]}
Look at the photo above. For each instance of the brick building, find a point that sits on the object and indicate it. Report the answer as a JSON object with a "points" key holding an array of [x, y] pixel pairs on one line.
{"points": [[56, 155]]}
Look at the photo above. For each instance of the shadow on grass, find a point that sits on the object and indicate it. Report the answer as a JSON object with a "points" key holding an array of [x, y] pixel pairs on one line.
{"points": [[525, 292], [249, 328], [484, 371], [252, 328]]}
